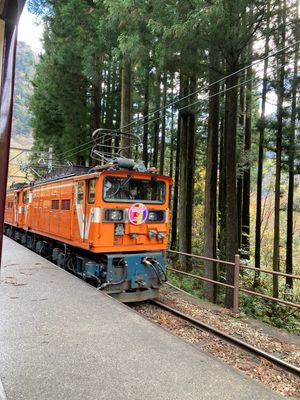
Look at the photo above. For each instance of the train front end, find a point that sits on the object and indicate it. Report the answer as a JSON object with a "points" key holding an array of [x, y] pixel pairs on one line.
{"points": [[132, 235]]}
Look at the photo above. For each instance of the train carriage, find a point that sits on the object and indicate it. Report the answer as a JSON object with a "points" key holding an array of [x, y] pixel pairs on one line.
{"points": [[14, 207], [109, 226]]}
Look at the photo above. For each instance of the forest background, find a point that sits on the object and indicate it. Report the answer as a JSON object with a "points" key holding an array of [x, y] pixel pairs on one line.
{"points": [[212, 90]]}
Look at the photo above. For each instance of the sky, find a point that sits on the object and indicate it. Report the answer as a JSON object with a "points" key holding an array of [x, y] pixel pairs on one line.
{"points": [[29, 31]]}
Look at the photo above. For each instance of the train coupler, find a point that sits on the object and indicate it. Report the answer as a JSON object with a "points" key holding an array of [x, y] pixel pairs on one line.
{"points": [[157, 268]]}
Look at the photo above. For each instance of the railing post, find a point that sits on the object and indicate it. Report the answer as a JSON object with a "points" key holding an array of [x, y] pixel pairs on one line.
{"points": [[236, 284]]}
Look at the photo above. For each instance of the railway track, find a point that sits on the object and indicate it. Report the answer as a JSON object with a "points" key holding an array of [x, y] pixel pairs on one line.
{"points": [[228, 338]]}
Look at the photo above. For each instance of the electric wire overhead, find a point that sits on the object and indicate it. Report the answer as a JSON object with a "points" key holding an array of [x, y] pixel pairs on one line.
{"points": [[87, 145], [205, 88]]}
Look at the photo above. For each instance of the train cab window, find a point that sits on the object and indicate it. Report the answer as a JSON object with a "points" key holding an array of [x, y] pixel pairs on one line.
{"points": [[129, 189], [91, 191], [79, 192], [55, 204]]}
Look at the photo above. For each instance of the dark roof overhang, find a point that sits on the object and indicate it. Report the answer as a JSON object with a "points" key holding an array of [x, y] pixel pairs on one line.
{"points": [[10, 10]]}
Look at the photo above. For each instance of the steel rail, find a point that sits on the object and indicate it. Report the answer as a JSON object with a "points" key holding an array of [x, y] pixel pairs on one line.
{"points": [[230, 339]]}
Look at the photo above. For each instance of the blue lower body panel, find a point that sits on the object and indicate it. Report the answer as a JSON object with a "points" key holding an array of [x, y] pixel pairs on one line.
{"points": [[139, 275], [138, 270]]}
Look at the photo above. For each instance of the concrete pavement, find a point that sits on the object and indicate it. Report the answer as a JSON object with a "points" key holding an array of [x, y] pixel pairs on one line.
{"points": [[60, 339]]}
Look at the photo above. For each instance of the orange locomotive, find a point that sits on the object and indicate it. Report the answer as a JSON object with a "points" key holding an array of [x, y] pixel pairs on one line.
{"points": [[108, 225]]}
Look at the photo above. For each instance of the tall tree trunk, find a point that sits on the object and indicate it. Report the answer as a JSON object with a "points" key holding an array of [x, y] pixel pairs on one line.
{"points": [[176, 188], [222, 185], [175, 207], [230, 190], [182, 204], [97, 94], [211, 178], [241, 141], [108, 118], [146, 118], [172, 145], [191, 145], [261, 129], [246, 175], [291, 161], [126, 109], [116, 97], [163, 126], [110, 95], [280, 99], [104, 97], [186, 175], [156, 123]]}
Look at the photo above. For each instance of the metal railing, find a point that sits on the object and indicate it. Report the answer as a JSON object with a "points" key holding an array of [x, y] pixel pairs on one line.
{"points": [[236, 265]]}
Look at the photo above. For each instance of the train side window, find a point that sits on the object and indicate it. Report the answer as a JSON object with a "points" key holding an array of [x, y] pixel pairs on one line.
{"points": [[55, 204], [91, 191], [65, 204], [80, 192], [25, 197]]}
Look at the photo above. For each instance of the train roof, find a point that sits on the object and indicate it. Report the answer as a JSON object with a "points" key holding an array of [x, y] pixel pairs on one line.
{"points": [[70, 172]]}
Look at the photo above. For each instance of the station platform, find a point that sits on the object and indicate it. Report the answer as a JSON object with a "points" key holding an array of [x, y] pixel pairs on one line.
{"points": [[61, 339]]}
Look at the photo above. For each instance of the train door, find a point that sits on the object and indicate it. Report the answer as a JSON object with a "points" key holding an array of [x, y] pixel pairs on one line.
{"points": [[27, 196], [20, 210], [16, 208], [79, 218], [84, 212], [91, 212]]}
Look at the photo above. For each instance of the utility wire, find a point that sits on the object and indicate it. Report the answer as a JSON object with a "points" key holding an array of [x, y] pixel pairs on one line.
{"points": [[202, 89], [89, 146], [206, 98], [205, 88], [189, 105], [74, 148], [13, 158]]}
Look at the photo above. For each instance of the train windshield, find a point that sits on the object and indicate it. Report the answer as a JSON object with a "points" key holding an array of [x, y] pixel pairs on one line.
{"points": [[130, 190]]}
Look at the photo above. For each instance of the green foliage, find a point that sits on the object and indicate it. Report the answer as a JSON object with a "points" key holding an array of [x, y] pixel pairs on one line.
{"points": [[62, 98], [25, 64], [186, 283], [275, 314]]}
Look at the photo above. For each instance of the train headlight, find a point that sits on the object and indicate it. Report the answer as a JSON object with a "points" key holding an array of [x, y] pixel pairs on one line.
{"points": [[161, 235], [119, 230], [152, 234], [114, 215], [156, 216]]}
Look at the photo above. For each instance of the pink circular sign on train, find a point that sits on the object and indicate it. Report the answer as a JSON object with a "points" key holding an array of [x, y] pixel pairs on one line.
{"points": [[137, 213]]}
